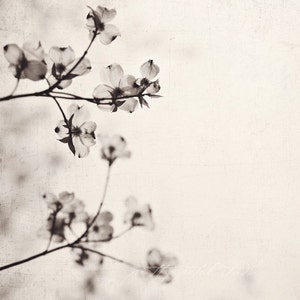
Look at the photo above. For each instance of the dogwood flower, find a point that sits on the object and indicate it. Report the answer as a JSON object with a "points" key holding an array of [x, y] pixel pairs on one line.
{"points": [[113, 147], [111, 97], [77, 133], [63, 61], [97, 23], [87, 259], [101, 229], [160, 264], [27, 62], [57, 231], [138, 215]]}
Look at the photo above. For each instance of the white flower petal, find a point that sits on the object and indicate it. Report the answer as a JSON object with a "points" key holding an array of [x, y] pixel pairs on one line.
{"points": [[106, 108], [153, 88], [102, 91], [64, 83], [131, 203], [35, 70], [127, 81], [13, 53], [66, 197], [105, 217], [87, 140], [34, 51], [115, 74], [154, 258], [61, 129], [80, 116], [149, 70], [88, 127], [81, 150], [110, 33], [63, 56], [129, 105], [83, 67], [106, 14]]}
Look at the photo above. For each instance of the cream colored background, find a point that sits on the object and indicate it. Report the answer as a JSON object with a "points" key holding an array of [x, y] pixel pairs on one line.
{"points": [[217, 157]]}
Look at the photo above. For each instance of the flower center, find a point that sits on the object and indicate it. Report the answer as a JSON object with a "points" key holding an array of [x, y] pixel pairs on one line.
{"points": [[76, 131], [60, 68], [117, 92]]}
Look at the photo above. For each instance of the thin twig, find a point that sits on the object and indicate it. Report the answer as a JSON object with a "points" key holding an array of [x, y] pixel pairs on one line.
{"points": [[113, 258], [52, 230]]}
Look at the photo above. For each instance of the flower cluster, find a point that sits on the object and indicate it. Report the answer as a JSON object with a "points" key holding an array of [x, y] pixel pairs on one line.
{"points": [[124, 91], [64, 210], [27, 62], [159, 264], [78, 133]]}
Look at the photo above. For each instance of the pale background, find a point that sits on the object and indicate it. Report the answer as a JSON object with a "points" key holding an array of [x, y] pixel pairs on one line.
{"points": [[218, 158]]}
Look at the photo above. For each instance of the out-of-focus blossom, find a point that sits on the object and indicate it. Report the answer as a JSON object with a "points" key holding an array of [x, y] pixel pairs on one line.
{"points": [[57, 203], [79, 134], [101, 230], [113, 147], [64, 61], [159, 264], [58, 230], [87, 259], [111, 97], [138, 215], [27, 62], [97, 23]]}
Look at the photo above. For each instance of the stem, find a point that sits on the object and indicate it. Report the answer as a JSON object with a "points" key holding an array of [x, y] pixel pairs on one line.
{"points": [[89, 225], [113, 258], [22, 261], [61, 110], [52, 231]]}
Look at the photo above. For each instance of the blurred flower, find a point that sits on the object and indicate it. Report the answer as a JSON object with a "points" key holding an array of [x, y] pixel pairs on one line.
{"points": [[138, 215], [57, 231], [160, 264], [64, 61], [97, 23], [57, 203], [27, 62], [78, 133], [101, 230], [108, 96], [74, 211], [85, 258], [113, 147]]}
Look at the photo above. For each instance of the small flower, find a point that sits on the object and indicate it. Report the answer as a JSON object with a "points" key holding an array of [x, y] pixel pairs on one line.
{"points": [[113, 147], [109, 97], [78, 133], [27, 62], [138, 215], [64, 61], [58, 230], [160, 264], [101, 229], [84, 258], [97, 23]]}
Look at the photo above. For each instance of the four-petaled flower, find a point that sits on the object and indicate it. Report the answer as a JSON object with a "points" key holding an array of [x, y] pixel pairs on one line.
{"points": [[117, 94], [138, 215], [64, 61], [27, 62], [159, 264], [101, 229], [113, 147], [97, 24], [77, 133]]}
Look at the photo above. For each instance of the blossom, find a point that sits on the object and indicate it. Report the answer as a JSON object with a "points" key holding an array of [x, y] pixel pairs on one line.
{"points": [[113, 147], [77, 133], [87, 259], [97, 24], [27, 62], [63, 61], [138, 215], [57, 231], [149, 70], [56, 203], [117, 94], [160, 264], [101, 230]]}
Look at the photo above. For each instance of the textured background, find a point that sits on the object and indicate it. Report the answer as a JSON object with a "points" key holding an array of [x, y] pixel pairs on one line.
{"points": [[217, 157]]}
